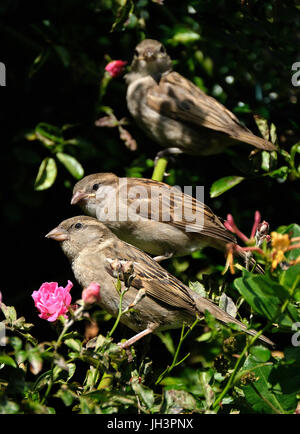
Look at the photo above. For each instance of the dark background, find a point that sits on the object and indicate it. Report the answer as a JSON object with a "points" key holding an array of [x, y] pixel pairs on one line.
{"points": [[54, 54]]}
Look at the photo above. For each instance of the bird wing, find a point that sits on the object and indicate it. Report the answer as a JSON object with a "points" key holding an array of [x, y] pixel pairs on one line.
{"points": [[178, 98], [154, 279], [164, 203]]}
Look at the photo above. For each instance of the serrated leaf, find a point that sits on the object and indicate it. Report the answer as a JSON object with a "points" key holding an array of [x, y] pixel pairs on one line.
{"points": [[226, 304], [198, 288], [46, 174], [9, 312], [223, 184], [71, 164]]}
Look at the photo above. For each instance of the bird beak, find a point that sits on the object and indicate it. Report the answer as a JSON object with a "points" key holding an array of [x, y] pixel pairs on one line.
{"points": [[148, 55], [58, 234], [80, 195]]}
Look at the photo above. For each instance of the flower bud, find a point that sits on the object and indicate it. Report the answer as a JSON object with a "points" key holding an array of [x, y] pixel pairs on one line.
{"points": [[91, 294]]}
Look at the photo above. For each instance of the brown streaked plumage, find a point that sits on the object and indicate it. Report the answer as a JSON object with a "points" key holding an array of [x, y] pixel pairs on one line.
{"points": [[144, 225], [91, 247], [175, 112]]}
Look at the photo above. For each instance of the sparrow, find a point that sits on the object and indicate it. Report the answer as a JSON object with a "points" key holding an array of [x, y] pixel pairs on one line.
{"points": [[175, 113], [153, 216], [160, 300]]}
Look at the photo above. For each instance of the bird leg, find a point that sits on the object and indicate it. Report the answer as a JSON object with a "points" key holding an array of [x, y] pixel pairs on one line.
{"points": [[163, 257], [165, 154], [136, 338]]}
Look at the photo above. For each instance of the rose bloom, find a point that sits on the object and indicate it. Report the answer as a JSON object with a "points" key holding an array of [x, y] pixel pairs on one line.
{"points": [[52, 300], [115, 68], [91, 294]]}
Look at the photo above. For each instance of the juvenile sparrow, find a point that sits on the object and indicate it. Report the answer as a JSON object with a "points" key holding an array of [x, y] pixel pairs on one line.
{"points": [[175, 113], [160, 301], [153, 216]]}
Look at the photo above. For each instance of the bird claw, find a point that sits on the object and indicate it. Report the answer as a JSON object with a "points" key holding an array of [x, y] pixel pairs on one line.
{"points": [[163, 257], [165, 153]]}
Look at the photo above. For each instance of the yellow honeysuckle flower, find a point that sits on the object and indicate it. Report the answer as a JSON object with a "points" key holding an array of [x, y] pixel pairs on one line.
{"points": [[280, 242], [279, 257]]}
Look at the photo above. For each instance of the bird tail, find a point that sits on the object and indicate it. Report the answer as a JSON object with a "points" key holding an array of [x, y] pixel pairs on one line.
{"points": [[203, 304], [256, 141]]}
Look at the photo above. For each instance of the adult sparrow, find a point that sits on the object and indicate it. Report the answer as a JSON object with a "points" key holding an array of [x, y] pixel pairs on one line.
{"points": [[160, 300], [153, 216], [175, 112]]}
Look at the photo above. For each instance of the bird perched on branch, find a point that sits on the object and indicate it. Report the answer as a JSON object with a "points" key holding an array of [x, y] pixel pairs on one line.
{"points": [[160, 300], [175, 113], [153, 216]]}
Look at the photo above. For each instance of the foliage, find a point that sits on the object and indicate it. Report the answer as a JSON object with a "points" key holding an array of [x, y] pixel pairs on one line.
{"points": [[65, 117]]}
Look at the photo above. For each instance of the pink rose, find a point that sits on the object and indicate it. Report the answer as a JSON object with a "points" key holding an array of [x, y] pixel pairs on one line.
{"points": [[91, 294], [52, 300], [115, 68]]}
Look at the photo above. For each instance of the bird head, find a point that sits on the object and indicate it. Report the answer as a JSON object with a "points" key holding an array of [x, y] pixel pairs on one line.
{"points": [[150, 58], [76, 233], [85, 190]]}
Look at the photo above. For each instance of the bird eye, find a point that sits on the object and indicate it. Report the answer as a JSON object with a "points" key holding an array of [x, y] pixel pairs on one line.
{"points": [[162, 49], [136, 53], [95, 187], [78, 226]]}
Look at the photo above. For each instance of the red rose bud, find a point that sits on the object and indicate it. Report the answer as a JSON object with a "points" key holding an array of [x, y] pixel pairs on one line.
{"points": [[115, 68], [91, 294]]}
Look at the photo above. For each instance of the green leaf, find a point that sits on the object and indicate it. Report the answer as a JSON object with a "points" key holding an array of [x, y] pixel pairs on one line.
{"points": [[223, 184], [260, 353], [48, 134], [198, 288], [9, 312], [265, 164], [166, 339], [269, 394], [295, 149], [175, 401], [74, 344], [280, 174], [65, 395], [226, 304], [7, 360], [183, 35], [290, 278], [267, 297], [273, 134], [71, 164], [46, 174], [262, 126], [145, 394]]}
